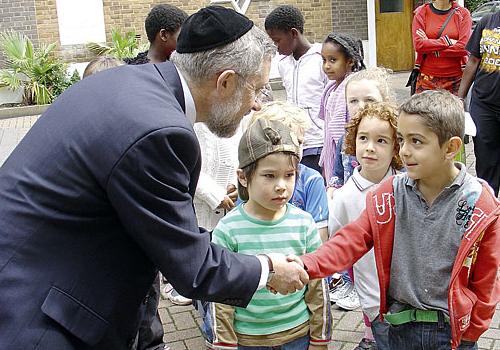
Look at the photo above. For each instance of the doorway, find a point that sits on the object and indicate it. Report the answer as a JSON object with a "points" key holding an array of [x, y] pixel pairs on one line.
{"points": [[393, 31]]}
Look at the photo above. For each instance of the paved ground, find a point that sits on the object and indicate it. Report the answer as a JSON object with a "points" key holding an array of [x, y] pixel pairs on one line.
{"points": [[181, 323]]}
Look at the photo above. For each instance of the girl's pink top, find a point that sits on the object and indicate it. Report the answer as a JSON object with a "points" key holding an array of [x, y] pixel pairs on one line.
{"points": [[333, 111]]}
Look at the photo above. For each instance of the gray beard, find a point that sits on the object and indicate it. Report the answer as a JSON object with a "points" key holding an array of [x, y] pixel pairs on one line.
{"points": [[222, 119]]}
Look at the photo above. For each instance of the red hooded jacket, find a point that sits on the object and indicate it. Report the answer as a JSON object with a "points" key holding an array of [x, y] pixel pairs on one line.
{"points": [[474, 288]]}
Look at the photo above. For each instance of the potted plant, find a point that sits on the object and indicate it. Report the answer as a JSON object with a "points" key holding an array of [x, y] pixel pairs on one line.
{"points": [[37, 71]]}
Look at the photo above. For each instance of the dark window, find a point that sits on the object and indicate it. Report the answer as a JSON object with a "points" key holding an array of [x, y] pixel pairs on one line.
{"points": [[391, 6]]}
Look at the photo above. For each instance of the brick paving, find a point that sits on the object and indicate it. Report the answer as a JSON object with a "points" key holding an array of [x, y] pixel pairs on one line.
{"points": [[181, 323]]}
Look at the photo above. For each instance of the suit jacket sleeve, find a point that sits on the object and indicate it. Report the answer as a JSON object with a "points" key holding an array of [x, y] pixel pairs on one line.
{"points": [[152, 187]]}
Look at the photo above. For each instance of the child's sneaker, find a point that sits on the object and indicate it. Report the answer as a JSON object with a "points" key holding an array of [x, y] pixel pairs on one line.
{"points": [[366, 344], [178, 299], [350, 302], [339, 289]]}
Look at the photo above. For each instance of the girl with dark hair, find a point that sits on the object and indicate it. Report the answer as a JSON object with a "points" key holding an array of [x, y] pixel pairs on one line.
{"points": [[341, 56]]}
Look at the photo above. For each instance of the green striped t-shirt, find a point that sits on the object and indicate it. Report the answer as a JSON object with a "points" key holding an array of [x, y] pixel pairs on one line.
{"points": [[294, 233]]}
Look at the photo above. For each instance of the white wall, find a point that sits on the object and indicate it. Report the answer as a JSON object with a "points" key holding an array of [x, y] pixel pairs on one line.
{"points": [[80, 21]]}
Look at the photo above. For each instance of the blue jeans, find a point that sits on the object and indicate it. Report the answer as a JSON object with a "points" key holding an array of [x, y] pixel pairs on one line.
{"points": [[423, 336], [297, 344], [380, 330]]}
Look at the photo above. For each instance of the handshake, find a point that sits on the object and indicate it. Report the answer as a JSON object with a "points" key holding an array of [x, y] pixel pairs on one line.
{"points": [[289, 274]]}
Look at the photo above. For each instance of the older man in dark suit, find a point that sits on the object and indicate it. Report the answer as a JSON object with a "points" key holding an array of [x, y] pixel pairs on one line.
{"points": [[98, 195]]}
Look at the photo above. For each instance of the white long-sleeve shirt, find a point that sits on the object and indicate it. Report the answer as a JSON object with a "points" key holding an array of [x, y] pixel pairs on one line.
{"points": [[218, 170], [345, 206], [304, 82]]}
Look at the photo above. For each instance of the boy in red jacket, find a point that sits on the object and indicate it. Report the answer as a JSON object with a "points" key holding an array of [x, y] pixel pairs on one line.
{"points": [[436, 235]]}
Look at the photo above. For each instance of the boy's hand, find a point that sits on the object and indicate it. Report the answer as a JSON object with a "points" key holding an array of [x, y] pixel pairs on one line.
{"points": [[292, 257], [226, 203], [232, 192], [288, 276], [317, 347]]}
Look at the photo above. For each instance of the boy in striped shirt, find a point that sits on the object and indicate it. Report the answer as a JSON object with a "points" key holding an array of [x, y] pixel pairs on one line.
{"points": [[265, 223]]}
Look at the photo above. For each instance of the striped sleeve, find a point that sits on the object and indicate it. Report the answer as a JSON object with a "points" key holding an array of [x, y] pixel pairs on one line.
{"points": [[222, 236], [312, 238]]}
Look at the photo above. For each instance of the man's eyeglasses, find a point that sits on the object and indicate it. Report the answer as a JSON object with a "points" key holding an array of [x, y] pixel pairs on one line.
{"points": [[260, 94]]}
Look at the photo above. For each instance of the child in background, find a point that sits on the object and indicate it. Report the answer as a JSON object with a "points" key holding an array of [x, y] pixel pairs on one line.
{"points": [[371, 137], [435, 232], [301, 73], [341, 55], [162, 26], [363, 87], [366, 86], [101, 63], [269, 154]]}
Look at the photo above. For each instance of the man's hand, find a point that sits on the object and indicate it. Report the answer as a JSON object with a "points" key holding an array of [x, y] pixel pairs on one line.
{"points": [[288, 275]]}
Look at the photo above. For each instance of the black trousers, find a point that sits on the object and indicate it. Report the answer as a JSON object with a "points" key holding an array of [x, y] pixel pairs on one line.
{"points": [[487, 143], [150, 335]]}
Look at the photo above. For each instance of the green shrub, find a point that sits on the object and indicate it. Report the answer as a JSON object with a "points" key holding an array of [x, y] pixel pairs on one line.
{"points": [[122, 46], [474, 4], [37, 71]]}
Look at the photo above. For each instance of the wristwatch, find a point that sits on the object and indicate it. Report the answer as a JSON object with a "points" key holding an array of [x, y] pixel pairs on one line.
{"points": [[271, 269]]}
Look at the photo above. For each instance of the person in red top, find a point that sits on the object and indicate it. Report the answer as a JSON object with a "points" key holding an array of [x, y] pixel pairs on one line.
{"points": [[440, 58]]}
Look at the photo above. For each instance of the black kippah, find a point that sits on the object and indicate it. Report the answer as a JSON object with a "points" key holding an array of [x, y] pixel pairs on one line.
{"points": [[211, 27]]}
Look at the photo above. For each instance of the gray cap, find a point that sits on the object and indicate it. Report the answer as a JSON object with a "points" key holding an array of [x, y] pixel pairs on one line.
{"points": [[264, 137]]}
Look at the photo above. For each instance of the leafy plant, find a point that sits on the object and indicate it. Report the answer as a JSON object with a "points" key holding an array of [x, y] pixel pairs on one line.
{"points": [[41, 75], [122, 46], [473, 4]]}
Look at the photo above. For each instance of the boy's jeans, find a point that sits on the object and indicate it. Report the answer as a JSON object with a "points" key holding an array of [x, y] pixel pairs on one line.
{"points": [[380, 330], [423, 336]]}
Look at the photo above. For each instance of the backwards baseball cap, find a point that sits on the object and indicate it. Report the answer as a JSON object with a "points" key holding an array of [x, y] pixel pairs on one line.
{"points": [[211, 27], [264, 137]]}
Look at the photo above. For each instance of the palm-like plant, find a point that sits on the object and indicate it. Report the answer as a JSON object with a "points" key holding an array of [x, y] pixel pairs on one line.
{"points": [[122, 46], [37, 71]]}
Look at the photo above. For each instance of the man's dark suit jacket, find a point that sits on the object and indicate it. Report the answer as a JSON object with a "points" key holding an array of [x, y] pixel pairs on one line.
{"points": [[94, 199]]}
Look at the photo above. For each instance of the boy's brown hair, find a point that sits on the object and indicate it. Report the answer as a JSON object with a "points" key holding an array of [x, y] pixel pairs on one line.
{"points": [[442, 112], [383, 111]]}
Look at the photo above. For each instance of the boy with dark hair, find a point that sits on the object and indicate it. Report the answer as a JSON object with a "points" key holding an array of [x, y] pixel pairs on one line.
{"points": [[268, 154], [162, 25], [301, 72], [435, 232]]}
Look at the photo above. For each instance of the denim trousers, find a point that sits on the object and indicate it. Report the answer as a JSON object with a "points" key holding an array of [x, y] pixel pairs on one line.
{"points": [[380, 330], [297, 344], [423, 336]]}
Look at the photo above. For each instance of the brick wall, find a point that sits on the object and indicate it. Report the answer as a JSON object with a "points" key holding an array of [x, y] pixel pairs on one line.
{"points": [[350, 17], [19, 15], [127, 15], [130, 15], [47, 25]]}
